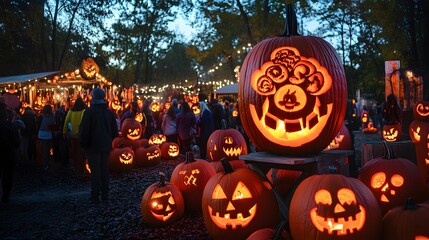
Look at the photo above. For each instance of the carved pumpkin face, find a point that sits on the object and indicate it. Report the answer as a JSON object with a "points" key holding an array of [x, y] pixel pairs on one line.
{"points": [[231, 206], [89, 69], [157, 139], [155, 107], [392, 133], [162, 203], [226, 143], [286, 94], [421, 111], [121, 159], [334, 206], [196, 109], [116, 105], [131, 129], [342, 141], [148, 155], [169, 150], [419, 134]]}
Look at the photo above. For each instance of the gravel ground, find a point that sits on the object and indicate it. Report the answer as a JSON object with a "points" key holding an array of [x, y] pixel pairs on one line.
{"points": [[54, 204]]}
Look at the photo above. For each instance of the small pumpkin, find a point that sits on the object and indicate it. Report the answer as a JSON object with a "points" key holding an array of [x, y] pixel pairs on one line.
{"points": [[162, 203], [407, 222], [292, 93], [191, 176], [131, 129], [392, 133], [238, 202], [332, 206], [157, 139], [155, 107], [121, 159], [170, 151], [147, 155], [392, 180], [226, 143]]}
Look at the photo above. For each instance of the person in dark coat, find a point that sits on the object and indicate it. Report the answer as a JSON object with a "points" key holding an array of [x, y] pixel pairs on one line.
{"points": [[206, 125], [218, 113], [10, 142], [185, 121], [29, 134], [97, 131]]}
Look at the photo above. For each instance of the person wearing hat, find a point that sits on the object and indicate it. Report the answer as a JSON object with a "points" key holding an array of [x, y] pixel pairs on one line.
{"points": [[96, 132]]}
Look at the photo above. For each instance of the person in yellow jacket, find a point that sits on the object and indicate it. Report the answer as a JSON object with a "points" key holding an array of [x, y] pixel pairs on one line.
{"points": [[71, 130]]}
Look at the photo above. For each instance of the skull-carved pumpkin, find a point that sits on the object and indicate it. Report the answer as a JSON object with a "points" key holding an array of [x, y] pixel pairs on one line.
{"points": [[392, 180], [121, 159], [147, 155], [162, 203], [157, 139], [332, 206], [89, 68], [191, 176], [226, 143], [170, 150], [392, 133], [238, 202], [292, 94], [131, 129], [419, 134]]}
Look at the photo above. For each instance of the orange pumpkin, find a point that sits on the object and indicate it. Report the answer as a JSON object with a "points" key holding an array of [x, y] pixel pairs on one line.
{"points": [[342, 141], [131, 129], [419, 134], [157, 139], [191, 176], [392, 133], [162, 203], [121, 159], [226, 143], [89, 69], [148, 155], [236, 203], [170, 151], [292, 93], [332, 206], [421, 111], [125, 142]]}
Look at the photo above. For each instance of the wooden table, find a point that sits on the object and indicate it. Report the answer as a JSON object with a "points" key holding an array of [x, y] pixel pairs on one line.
{"points": [[374, 149]]}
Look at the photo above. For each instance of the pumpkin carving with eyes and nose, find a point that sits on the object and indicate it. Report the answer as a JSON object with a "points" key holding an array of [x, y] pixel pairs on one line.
{"points": [[392, 180], [131, 129], [121, 159], [170, 151], [332, 206], [226, 143], [392, 133], [157, 139], [235, 203], [419, 134], [162, 203], [147, 155], [292, 93], [89, 68]]}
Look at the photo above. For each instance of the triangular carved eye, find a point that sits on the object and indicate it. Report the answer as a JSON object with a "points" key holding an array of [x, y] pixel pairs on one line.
{"points": [[229, 140], [323, 196], [241, 192], [218, 193]]}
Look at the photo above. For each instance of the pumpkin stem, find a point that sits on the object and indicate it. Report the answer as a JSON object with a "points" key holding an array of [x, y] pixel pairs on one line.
{"points": [[410, 204], [224, 124], [190, 157], [228, 168], [291, 26], [162, 179], [388, 153]]}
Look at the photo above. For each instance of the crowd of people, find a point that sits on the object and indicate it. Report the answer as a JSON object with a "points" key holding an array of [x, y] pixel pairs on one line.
{"points": [[71, 136]]}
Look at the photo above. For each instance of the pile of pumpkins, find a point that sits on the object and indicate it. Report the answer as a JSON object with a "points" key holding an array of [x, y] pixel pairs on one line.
{"points": [[292, 100], [130, 150]]}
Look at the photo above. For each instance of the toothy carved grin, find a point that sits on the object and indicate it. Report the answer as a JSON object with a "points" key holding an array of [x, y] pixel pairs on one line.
{"points": [[342, 226], [287, 131], [225, 220], [232, 152]]}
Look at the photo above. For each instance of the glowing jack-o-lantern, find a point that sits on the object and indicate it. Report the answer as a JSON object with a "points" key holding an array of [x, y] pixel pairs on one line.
{"points": [[226, 143], [292, 94], [169, 150], [332, 206], [370, 128], [419, 134], [147, 155], [162, 203], [407, 221], [238, 202], [342, 140], [115, 105], [191, 176], [131, 129], [121, 159], [157, 139], [392, 133], [89, 69], [155, 107], [141, 118], [196, 109], [392, 180]]}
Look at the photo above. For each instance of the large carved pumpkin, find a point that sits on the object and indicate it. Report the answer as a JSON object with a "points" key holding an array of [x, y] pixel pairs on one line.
{"points": [[191, 176], [392, 180], [162, 203], [131, 129], [121, 159], [292, 93], [332, 206], [170, 150], [409, 221], [236, 203], [89, 68], [226, 143]]}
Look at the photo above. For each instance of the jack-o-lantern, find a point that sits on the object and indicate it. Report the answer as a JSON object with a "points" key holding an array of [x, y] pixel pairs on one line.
{"points": [[157, 139], [370, 128], [162, 203], [121, 159], [166, 106], [235, 113], [191, 176], [419, 134], [421, 111], [392, 180], [226, 143], [155, 107], [235, 164], [342, 141], [238, 202], [147, 155], [292, 93], [115, 105], [89, 69], [392, 133], [131, 129], [170, 151], [195, 109], [332, 206], [407, 222], [141, 118]]}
